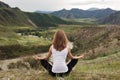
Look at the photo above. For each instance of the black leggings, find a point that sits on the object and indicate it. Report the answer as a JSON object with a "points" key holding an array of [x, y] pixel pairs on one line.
{"points": [[48, 67]]}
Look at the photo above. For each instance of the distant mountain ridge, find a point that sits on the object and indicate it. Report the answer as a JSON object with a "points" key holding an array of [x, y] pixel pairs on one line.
{"points": [[93, 9], [79, 13], [111, 19], [46, 12]]}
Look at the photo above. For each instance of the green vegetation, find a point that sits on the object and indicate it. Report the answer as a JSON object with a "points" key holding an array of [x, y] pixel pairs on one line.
{"points": [[82, 20], [45, 20], [105, 68], [13, 17], [14, 45], [94, 41]]}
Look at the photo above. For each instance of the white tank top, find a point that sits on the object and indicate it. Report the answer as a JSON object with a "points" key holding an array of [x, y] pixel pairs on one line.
{"points": [[59, 60]]}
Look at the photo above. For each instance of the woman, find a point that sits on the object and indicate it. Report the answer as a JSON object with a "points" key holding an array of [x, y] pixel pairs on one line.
{"points": [[59, 51]]}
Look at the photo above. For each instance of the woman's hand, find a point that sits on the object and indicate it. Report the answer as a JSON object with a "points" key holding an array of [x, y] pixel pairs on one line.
{"points": [[82, 56], [36, 57]]}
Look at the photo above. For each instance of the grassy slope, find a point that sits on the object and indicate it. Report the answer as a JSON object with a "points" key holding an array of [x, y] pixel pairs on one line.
{"points": [[13, 45], [82, 20], [7, 36], [105, 68], [45, 20], [13, 17]]}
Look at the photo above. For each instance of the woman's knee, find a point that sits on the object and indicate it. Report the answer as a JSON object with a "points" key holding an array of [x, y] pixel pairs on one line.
{"points": [[74, 60], [43, 61]]}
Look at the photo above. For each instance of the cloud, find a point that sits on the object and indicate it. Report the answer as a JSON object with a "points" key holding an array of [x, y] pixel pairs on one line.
{"points": [[47, 5], [88, 2]]}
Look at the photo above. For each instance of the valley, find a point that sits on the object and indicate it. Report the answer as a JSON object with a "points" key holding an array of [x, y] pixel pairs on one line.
{"points": [[94, 33]]}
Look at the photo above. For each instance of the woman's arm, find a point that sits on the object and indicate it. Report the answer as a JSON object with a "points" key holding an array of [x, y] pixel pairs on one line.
{"points": [[74, 57], [46, 57]]}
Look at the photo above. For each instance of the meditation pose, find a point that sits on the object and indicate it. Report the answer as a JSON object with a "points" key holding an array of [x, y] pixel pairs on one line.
{"points": [[59, 51]]}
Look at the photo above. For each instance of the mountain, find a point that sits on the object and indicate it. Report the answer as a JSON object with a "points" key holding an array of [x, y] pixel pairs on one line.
{"points": [[15, 17], [12, 16], [46, 12], [44, 20], [93, 9], [3, 5], [111, 19], [79, 13]]}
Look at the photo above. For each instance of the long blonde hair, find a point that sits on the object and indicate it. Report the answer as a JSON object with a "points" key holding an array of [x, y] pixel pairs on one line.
{"points": [[60, 40]]}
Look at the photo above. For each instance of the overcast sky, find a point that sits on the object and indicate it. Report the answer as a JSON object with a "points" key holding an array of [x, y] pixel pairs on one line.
{"points": [[53, 5]]}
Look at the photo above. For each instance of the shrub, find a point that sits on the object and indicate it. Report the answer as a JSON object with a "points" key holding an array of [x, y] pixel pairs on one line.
{"points": [[28, 63], [12, 51]]}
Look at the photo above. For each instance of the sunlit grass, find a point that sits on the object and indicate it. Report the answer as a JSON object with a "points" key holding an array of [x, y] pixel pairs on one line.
{"points": [[103, 67], [33, 40]]}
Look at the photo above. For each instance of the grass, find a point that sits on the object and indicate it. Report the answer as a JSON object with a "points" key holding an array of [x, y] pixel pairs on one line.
{"points": [[105, 68], [102, 68], [33, 40], [82, 20], [13, 45], [9, 37]]}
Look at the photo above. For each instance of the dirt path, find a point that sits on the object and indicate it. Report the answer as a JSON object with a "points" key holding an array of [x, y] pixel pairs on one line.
{"points": [[5, 63]]}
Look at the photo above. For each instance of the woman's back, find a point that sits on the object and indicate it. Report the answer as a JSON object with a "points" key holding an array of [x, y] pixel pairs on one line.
{"points": [[59, 60]]}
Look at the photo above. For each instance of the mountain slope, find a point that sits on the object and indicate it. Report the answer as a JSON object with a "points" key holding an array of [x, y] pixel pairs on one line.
{"points": [[79, 13], [3, 5], [12, 16], [112, 19], [97, 41], [45, 20], [15, 17]]}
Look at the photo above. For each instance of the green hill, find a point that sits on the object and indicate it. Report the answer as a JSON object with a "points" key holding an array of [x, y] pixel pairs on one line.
{"points": [[12, 16], [96, 41], [15, 17], [44, 20]]}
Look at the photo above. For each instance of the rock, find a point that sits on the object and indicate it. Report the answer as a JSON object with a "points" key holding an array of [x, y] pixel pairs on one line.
{"points": [[0, 69]]}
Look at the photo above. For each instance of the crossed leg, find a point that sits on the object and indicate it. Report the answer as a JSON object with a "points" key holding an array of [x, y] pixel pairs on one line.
{"points": [[48, 67]]}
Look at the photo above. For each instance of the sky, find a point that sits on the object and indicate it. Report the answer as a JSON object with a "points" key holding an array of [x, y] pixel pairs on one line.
{"points": [[54, 5]]}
